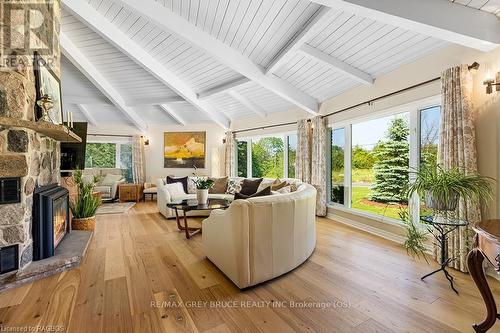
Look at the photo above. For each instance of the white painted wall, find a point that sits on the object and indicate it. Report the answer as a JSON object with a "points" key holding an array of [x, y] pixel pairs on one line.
{"points": [[154, 152]]}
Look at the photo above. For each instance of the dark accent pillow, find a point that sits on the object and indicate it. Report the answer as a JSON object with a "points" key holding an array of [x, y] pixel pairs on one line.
{"points": [[264, 192], [250, 186], [220, 185], [182, 180]]}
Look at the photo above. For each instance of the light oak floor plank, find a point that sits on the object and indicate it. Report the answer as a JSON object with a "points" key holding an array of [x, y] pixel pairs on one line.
{"points": [[138, 262]]}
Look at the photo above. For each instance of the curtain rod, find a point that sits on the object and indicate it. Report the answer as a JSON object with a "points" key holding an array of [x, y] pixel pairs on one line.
{"points": [[111, 135], [369, 102]]}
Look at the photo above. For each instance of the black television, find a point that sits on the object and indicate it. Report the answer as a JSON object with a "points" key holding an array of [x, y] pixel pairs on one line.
{"points": [[73, 154]]}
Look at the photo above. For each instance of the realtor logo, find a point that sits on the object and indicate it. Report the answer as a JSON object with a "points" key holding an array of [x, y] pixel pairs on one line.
{"points": [[26, 27]]}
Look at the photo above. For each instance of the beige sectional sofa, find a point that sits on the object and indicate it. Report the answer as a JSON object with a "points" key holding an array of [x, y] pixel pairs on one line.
{"points": [[257, 239]]}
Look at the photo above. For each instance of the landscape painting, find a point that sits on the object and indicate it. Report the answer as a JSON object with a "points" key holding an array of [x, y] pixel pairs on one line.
{"points": [[184, 149]]}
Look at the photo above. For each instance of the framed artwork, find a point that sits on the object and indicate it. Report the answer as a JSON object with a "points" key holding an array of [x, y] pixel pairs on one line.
{"points": [[184, 149], [47, 83]]}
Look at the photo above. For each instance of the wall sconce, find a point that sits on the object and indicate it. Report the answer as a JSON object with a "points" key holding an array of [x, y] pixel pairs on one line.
{"points": [[146, 142], [491, 81]]}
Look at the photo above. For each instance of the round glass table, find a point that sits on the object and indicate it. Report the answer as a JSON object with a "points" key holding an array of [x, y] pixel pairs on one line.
{"points": [[190, 205], [443, 226]]}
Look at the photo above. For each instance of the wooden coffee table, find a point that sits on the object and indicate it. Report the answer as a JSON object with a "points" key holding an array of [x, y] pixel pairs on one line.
{"points": [[189, 205]]}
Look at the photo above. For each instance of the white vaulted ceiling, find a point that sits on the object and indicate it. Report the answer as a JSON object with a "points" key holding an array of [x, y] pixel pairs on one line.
{"points": [[228, 59]]}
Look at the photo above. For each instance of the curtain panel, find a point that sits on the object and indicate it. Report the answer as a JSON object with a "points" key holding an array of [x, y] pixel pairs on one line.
{"points": [[310, 162], [457, 149], [303, 154], [230, 155], [318, 162], [138, 160]]}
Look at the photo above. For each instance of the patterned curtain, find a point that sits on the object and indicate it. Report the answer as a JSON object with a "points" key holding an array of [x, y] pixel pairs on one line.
{"points": [[138, 161], [457, 148], [318, 162], [303, 155], [230, 155]]}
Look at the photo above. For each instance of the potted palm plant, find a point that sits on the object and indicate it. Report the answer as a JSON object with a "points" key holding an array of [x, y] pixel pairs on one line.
{"points": [[85, 205], [441, 189]]}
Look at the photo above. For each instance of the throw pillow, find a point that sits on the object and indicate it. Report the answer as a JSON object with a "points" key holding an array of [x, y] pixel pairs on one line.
{"points": [[110, 179], [175, 190], [264, 192], [191, 186], [182, 180], [279, 185], [250, 186], [265, 183], [233, 186], [220, 185], [286, 189]]}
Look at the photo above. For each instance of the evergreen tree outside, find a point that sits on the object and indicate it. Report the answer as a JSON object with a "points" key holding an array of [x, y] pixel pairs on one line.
{"points": [[391, 165]]}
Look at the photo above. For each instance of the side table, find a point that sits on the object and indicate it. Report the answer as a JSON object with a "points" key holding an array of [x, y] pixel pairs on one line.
{"points": [[443, 227], [130, 192]]}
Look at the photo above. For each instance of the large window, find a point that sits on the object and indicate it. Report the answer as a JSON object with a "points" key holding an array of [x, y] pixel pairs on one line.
{"points": [[292, 153], [373, 175], [429, 138], [380, 164], [429, 134], [110, 155], [268, 156], [242, 158], [338, 174]]}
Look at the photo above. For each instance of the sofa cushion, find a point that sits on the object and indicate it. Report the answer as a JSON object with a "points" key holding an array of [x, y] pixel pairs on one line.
{"points": [[182, 180], [175, 190], [250, 186], [220, 185], [264, 192], [103, 189], [110, 179], [233, 186]]}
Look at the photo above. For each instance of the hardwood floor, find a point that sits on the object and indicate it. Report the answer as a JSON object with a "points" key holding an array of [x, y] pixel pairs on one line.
{"points": [[137, 262]]}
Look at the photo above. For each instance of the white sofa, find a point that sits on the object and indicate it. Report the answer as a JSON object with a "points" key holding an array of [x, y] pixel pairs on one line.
{"points": [[163, 197], [258, 239]]}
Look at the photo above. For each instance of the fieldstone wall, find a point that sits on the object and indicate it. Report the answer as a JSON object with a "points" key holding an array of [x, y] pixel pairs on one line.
{"points": [[23, 152]]}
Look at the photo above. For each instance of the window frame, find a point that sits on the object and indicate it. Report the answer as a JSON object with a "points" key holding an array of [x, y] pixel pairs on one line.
{"points": [[283, 135], [117, 144], [414, 110]]}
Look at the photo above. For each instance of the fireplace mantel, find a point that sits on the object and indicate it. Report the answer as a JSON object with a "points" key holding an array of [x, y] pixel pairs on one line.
{"points": [[57, 132]]}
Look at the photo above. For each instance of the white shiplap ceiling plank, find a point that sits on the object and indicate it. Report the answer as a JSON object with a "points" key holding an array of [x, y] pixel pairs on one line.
{"points": [[481, 32], [112, 34], [85, 66], [225, 54]]}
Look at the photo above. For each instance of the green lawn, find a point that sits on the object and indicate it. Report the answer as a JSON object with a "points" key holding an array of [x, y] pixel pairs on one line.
{"points": [[360, 193]]}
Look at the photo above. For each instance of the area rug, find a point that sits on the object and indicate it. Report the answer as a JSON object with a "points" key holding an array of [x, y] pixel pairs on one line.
{"points": [[114, 208]]}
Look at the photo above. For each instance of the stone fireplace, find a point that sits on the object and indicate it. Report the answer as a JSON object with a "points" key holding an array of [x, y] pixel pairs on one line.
{"points": [[25, 153]]}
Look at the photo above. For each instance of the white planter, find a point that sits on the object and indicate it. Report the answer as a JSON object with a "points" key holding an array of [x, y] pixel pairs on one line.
{"points": [[202, 196]]}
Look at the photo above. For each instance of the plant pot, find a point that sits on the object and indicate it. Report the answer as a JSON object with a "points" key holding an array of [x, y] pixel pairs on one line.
{"points": [[87, 223], [438, 203], [202, 195]]}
